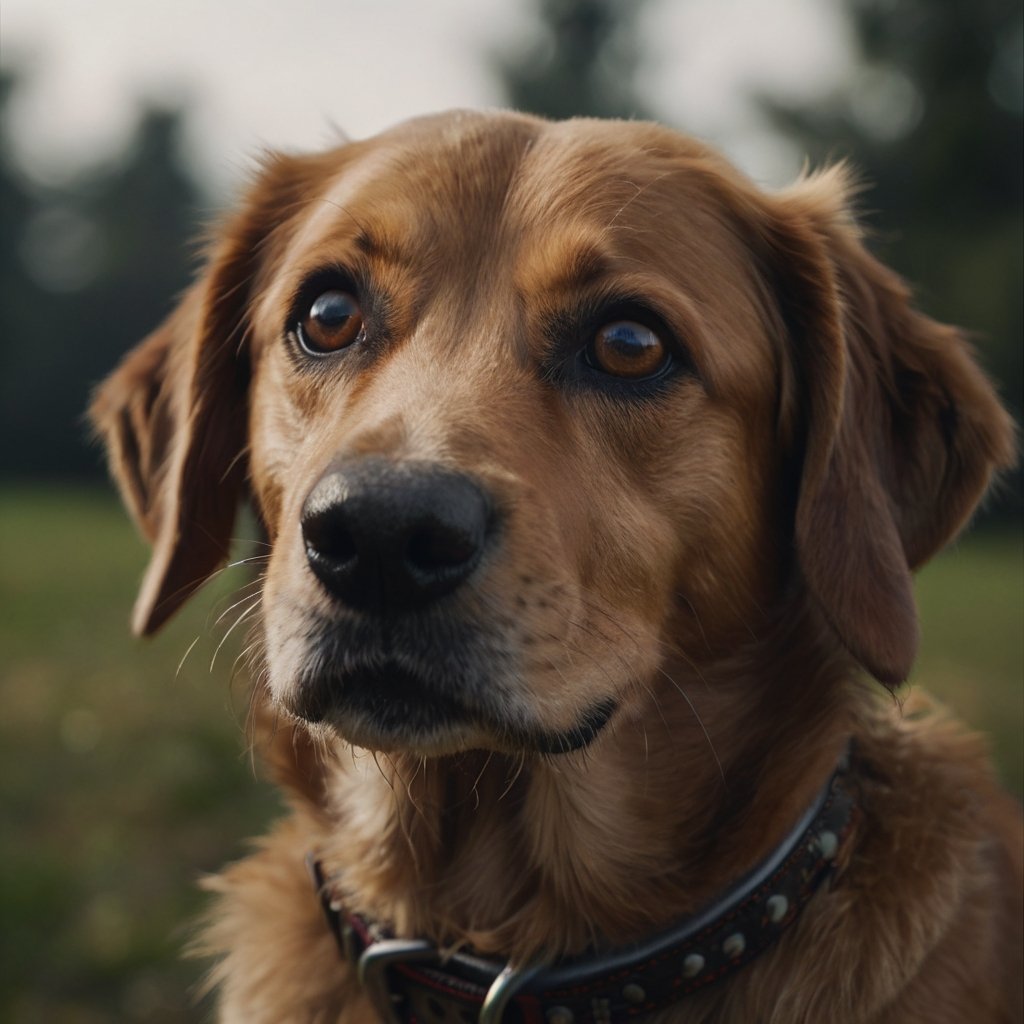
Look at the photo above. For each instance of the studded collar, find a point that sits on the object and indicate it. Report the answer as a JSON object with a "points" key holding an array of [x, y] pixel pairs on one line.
{"points": [[412, 982]]}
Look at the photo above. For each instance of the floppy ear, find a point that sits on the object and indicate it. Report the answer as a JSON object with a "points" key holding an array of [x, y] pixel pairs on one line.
{"points": [[174, 414], [901, 430]]}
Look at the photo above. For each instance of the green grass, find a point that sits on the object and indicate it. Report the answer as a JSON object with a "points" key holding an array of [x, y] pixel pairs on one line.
{"points": [[123, 779], [971, 601]]}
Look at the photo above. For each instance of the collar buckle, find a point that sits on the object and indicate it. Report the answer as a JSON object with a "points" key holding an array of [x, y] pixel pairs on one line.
{"points": [[502, 991], [377, 959], [373, 964]]}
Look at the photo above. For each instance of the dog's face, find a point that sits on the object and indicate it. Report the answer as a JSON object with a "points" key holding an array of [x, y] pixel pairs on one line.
{"points": [[496, 429], [526, 409]]}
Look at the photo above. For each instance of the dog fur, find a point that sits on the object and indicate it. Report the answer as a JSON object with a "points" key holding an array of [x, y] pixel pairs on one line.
{"points": [[724, 557]]}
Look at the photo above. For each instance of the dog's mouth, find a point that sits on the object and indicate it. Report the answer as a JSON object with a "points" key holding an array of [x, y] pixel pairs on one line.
{"points": [[386, 705]]}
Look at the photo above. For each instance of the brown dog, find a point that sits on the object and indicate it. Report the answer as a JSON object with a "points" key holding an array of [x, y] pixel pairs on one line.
{"points": [[593, 479]]}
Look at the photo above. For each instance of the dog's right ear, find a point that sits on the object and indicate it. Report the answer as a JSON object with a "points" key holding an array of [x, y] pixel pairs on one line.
{"points": [[174, 414]]}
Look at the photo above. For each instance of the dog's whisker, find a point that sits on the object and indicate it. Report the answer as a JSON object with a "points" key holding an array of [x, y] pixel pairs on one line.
{"points": [[243, 600], [246, 612], [521, 759], [252, 653], [474, 790], [260, 559], [184, 657], [245, 656], [250, 727], [389, 779], [252, 588], [658, 708], [242, 453], [700, 722], [403, 819]]}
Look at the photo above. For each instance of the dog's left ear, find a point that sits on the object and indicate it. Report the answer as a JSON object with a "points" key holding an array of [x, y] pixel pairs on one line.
{"points": [[900, 430], [174, 414]]}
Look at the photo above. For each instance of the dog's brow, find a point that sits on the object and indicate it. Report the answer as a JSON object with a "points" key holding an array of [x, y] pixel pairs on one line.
{"points": [[377, 247], [572, 270]]}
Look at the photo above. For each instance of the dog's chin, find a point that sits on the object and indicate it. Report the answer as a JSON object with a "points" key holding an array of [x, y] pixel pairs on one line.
{"points": [[442, 741], [390, 709]]}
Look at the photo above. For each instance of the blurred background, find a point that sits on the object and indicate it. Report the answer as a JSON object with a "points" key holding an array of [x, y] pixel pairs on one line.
{"points": [[125, 125]]}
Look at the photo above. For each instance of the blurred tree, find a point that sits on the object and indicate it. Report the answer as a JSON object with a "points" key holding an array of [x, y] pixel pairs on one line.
{"points": [[18, 294], [15, 203], [88, 269], [582, 63], [932, 122]]}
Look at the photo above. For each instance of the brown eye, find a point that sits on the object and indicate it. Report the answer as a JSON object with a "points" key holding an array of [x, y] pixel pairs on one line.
{"points": [[627, 349], [333, 322]]}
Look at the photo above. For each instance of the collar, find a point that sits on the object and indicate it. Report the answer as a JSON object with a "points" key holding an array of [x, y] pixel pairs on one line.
{"points": [[412, 982]]}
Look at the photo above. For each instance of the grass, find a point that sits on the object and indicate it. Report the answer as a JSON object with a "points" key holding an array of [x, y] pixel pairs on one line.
{"points": [[971, 601], [122, 779]]}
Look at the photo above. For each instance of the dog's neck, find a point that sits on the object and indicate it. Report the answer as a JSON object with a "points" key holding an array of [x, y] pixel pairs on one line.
{"points": [[547, 856]]}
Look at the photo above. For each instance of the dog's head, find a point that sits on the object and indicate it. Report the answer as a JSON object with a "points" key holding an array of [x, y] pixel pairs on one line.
{"points": [[522, 406]]}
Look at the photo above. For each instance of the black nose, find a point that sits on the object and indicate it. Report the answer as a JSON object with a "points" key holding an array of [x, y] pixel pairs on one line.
{"points": [[383, 536]]}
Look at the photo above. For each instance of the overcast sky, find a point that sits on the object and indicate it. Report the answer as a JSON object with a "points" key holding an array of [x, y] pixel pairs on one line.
{"points": [[288, 73]]}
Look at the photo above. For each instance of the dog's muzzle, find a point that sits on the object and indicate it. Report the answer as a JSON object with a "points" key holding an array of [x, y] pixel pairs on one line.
{"points": [[396, 657]]}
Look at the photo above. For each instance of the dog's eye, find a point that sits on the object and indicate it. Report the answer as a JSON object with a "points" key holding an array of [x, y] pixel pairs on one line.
{"points": [[625, 348], [334, 321]]}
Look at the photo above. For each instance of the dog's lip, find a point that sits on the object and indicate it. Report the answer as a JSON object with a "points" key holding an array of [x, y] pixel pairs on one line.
{"points": [[381, 689], [578, 736], [386, 704]]}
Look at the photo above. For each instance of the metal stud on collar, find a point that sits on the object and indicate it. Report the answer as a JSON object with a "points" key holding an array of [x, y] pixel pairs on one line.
{"points": [[777, 906], [828, 844], [634, 993], [559, 1015]]}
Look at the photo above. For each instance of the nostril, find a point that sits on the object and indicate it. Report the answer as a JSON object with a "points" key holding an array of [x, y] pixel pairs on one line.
{"points": [[435, 548], [328, 538]]}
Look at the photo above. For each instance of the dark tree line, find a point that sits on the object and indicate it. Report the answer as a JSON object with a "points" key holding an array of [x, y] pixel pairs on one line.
{"points": [[86, 270], [582, 61], [933, 125]]}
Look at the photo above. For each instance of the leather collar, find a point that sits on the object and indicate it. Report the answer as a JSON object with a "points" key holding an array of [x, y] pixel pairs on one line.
{"points": [[412, 982]]}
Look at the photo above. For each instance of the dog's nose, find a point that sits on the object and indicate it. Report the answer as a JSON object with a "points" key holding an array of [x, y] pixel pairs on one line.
{"points": [[383, 536]]}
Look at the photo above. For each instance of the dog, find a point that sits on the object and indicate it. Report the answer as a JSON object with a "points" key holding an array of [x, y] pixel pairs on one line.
{"points": [[592, 478]]}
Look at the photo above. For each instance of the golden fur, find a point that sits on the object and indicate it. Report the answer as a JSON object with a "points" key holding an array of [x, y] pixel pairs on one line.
{"points": [[722, 559]]}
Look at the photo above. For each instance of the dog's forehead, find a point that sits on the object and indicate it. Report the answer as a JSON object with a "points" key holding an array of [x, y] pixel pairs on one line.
{"points": [[471, 188]]}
